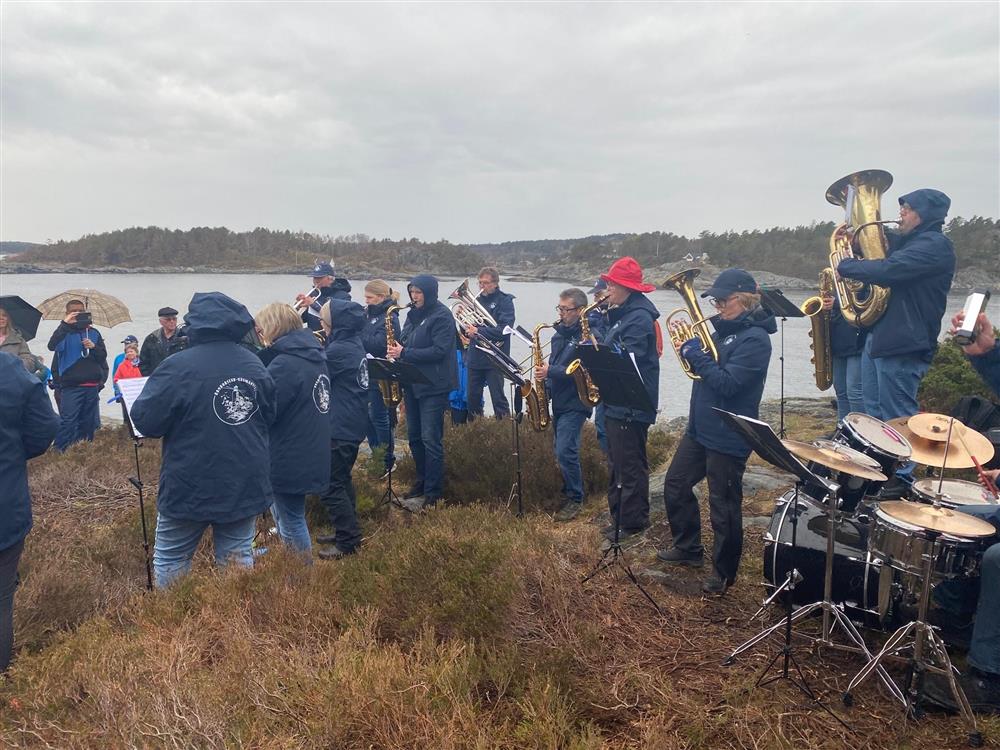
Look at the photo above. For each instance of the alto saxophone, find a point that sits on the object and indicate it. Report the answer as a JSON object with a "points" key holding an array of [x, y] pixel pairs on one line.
{"points": [[822, 358], [535, 391], [392, 394]]}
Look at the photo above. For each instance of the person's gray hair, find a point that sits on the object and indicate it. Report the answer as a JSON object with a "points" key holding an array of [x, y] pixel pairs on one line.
{"points": [[577, 296], [490, 271]]}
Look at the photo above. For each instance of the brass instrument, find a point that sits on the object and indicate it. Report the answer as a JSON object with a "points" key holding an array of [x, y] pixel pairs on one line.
{"points": [[586, 390], [812, 308], [692, 324], [311, 295], [535, 391], [392, 394], [468, 311], [863, 228], [585, 334]]}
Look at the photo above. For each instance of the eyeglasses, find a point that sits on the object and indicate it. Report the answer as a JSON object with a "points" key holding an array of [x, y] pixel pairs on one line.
{"points": [[719, 302], [560, 308]]}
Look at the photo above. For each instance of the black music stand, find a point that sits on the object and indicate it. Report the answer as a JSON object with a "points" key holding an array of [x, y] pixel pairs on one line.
{"points": [[618, 379], [404, 374], [136, 482], [783, 308]]}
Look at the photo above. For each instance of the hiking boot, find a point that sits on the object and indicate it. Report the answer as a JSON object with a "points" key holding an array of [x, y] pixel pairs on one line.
{"points": [[676, 556], [416, 490], [569, 511], [413, 504], [715, 584], [982, 690], [334, 552]]}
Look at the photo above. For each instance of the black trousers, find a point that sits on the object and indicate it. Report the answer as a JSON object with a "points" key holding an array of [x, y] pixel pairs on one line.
{"points": [[629, 481], [691, 463], [474, 396], [339, 499], [9, 559]]}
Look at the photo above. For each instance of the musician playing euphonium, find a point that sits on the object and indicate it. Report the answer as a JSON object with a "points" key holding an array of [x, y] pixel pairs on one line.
{"points": [[632, 329], [709, 448], [500, 306], [379, 297], [568, 411]]}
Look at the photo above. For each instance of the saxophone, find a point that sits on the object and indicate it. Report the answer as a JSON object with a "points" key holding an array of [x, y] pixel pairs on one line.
{"points": [[535, 392], [586, 390], [822, 358], [392, 394]]}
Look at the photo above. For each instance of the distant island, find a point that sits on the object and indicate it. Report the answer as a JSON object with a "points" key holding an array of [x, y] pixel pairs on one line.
{"points": [[792, 256]]}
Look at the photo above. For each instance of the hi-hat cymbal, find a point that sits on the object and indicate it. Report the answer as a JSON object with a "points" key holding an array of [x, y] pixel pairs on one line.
{"points": [[832, 459], [931, 452], [932, 518]]}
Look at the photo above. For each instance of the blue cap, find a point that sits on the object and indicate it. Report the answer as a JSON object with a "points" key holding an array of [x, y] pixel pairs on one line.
{"points": [[322, 269], [600, 286], [730, 281], [130, 340]]}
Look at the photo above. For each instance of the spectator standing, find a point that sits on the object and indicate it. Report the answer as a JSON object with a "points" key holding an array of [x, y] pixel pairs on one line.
{"points": [[162, 342], [81, 362]]}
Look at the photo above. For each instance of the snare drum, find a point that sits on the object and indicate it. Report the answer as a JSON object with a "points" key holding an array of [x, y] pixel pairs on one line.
{"points": [[905, 547], [954, 493], [880, 443]]}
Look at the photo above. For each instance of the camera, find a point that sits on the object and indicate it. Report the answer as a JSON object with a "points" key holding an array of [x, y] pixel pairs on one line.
{"points": [[83, 320]]}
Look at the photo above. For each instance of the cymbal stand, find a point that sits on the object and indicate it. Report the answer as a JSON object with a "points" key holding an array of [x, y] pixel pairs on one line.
{"points": [[928, 655]]}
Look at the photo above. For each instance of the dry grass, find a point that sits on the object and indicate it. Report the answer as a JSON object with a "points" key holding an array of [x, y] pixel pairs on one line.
{"points": [[462, 628]]}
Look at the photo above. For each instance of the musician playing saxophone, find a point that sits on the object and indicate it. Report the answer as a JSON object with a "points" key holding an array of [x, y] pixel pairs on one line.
{"points": [[709, 448], [379, 297], [568, 411]]}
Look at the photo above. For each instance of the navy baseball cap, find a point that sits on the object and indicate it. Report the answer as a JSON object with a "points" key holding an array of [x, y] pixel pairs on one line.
{"points": [[600, 286], [322, 269], [730, 281], [130, 340]]}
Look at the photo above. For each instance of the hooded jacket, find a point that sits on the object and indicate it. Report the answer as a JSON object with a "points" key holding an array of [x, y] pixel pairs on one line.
{"points": [[735, 383], [562, 388], [918, 271], [27, 427], [428, 340], [338, 289], [373, 333], [347, 366], [300, 436], [212, 404], [501, 306], [632, 328]]}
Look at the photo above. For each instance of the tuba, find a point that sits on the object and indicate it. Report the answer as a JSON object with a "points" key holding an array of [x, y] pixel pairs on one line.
{"points": [[812, 308], [862, 228], [691, 324], [392, 394], [468, 311], [534, 391]]}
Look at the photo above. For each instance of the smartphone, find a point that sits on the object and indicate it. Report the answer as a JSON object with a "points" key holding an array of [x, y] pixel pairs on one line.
{"points": [[975, 305], [84, 320]]}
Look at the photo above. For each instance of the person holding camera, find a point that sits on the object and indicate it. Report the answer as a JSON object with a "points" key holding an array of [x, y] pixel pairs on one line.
{"points": [[81, 363], [162, 342]]}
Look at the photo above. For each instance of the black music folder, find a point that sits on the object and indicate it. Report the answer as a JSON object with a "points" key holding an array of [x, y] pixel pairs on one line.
{"points": [[617, 377], [403, 373]]}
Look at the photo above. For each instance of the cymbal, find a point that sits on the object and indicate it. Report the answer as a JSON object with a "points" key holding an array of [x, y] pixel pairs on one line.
{"points": [[931, 452], [943, 520], [932, 426], [847, 452], [832, 459]]}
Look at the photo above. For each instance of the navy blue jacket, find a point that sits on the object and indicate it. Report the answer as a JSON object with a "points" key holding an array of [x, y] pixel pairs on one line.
{"points": [[988, 366], [845, 340], [373, 334], [300, 435], [734, 383], [27, 426], [918, 270], [501, 306], [632, 327], [348, 369], [562, 389], [212, 404], [428, 340], [339, 289]]}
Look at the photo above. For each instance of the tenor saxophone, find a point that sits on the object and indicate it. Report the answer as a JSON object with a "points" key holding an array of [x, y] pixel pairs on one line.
{"points": [[535, 391], [392, 394], [812, 308]]}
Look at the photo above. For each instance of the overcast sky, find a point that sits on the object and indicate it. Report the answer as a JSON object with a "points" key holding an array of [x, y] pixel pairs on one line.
{"points": [[487, 122]]}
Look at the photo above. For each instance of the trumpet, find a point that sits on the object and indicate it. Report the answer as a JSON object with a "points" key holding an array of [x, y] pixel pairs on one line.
{"points": [[691, 324], [299, 305]]}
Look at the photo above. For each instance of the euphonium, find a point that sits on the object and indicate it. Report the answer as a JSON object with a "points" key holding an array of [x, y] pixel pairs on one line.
{"points": [[468, 310], [392, 394], [535, 392], [693, 324], [863, 226], [812, 308]]}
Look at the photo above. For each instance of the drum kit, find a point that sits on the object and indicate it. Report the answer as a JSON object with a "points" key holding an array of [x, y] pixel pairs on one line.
{"points": [[877, 562]]}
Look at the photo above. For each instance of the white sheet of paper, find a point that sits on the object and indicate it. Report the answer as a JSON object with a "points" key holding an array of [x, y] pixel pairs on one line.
{"points": [[130, 389]]}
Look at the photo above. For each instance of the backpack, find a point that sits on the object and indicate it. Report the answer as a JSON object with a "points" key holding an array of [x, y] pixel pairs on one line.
{"points": [[982, 415]]}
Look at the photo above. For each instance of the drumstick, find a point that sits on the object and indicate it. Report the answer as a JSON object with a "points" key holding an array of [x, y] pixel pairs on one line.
{"points": [[988, 483]]}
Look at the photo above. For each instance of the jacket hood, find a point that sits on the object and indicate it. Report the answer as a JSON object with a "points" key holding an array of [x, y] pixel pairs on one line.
{"points": [[341, 285], [932, 205], [758, 318], [639, 301], [380, 308], [300, 343], [426, 284], [345, 316], [214, 316]]}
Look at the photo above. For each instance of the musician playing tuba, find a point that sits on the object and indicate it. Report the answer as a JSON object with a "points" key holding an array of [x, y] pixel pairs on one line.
{"points": [[380, 299], [734, 382], [568, 411]]}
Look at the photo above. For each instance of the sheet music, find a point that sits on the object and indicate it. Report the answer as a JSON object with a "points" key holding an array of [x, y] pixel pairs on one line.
{"points": [[130, 389]]}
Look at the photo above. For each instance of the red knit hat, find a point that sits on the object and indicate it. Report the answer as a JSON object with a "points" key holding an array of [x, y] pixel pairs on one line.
{"points": [[627, 272]]}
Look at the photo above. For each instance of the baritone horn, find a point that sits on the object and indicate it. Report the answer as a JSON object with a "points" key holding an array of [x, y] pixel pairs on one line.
{"points": [[468, 311], [686, 323], [860, 195]]}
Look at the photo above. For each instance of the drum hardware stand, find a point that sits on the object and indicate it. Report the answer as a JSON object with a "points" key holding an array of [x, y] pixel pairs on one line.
{"points": [[921, 637]]}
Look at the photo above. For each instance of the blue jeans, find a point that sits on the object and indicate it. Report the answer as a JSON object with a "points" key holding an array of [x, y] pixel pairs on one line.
{"points": [[380, 425], [890, 383], [847, 385], [289, 513], [425, 432], [79, 415], [567, 426], [9, 559], [176, 541]]}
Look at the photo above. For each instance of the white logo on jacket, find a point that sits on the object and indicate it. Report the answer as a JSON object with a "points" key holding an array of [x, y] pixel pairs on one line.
{"points": [[321, 394], [235, 401], [728, 340]]}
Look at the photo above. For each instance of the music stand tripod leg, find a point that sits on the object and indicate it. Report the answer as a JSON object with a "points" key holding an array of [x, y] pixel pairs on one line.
{"points": [[515, 437]]}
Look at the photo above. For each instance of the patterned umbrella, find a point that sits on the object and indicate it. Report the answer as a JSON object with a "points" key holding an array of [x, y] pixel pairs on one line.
{"points": [[106, 310]]}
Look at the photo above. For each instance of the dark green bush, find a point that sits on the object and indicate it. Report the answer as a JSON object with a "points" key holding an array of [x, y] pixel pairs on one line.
{"points": [[949, 378]]}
